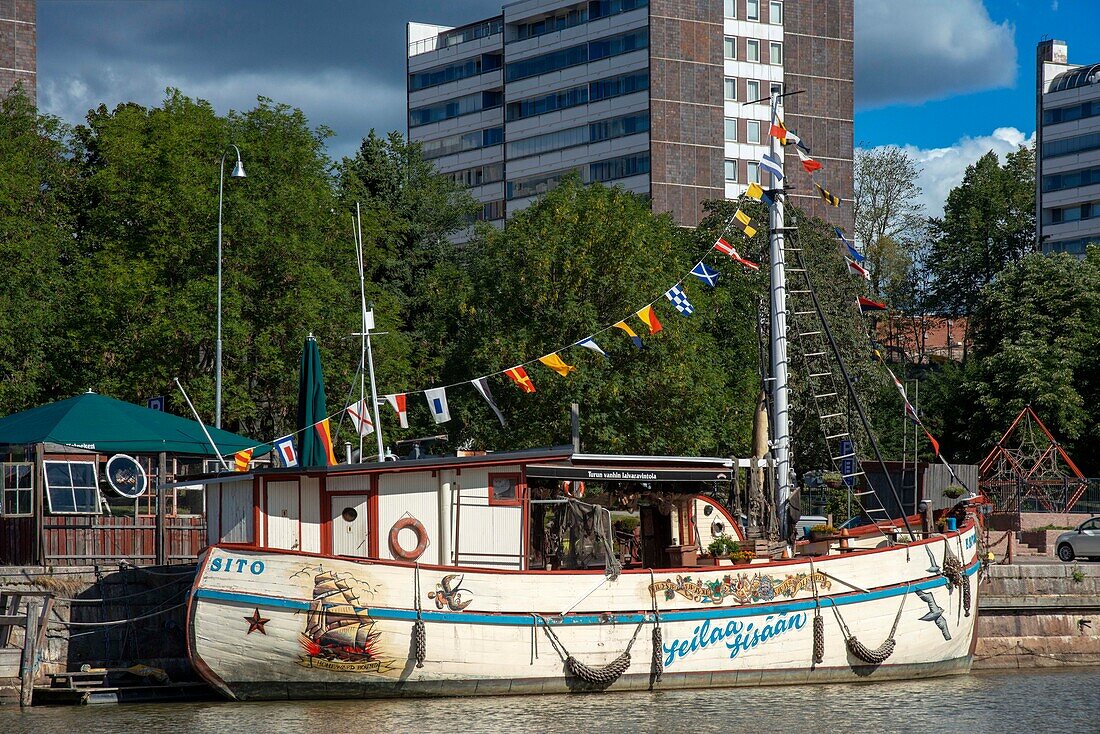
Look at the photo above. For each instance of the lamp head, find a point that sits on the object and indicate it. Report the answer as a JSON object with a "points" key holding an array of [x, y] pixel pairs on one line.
{"points": [[238, 170]]}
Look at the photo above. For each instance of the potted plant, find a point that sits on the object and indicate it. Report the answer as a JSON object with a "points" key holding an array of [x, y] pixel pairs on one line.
{"points": [[740, 556], [723, 546], [832, 479], [953, 491], [822, 532], [941, 524]]}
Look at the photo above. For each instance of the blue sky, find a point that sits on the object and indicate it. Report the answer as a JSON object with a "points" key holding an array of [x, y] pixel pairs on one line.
{"points": [[947, 80], [943, 121]]}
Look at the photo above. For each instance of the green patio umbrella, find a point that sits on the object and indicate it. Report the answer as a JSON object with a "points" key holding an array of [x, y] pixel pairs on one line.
{"points": [[311, 407]]}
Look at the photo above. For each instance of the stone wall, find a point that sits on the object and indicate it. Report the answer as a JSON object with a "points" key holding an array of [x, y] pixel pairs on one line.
{"points": [[152, 597], [1039, 615]]}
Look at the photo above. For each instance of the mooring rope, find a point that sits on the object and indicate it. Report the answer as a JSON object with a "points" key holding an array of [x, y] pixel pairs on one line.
{"points": [[419, 634], [658, 642], [819, 621]]}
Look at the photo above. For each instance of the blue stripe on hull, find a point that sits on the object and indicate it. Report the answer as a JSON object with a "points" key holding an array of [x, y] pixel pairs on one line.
{"points": [[526, 620]]}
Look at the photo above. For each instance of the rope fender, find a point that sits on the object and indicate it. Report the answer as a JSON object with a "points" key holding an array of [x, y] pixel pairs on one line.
{"points": [[420, 644], [883, 651], [596, 675], [658, 641]]}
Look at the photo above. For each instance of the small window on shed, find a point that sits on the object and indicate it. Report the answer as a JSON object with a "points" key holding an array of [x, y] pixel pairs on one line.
{"points": [[72, 487], [17, 486]]}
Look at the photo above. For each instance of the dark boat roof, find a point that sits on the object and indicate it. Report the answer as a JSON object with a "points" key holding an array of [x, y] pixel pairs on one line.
{"points": [[558, 462]]}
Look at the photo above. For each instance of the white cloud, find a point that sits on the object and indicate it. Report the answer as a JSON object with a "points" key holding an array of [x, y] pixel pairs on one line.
{"points": [[913, 52], [942, 169], [344, 101]]}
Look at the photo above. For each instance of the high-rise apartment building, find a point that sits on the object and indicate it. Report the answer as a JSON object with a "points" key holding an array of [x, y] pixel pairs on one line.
{"points": [[646, 94], [1067, 161], [18, 39]]}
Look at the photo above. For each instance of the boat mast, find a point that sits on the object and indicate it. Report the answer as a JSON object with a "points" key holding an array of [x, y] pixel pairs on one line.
{"points": [[781, 448], [366, 357]]}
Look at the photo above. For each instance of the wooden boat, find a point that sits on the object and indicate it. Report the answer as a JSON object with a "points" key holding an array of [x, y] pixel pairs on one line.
{"points": [[308, 591], [428, 576]]}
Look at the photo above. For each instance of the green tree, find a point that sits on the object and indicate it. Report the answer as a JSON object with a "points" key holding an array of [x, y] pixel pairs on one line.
{"points": [[35, 231], [143, 285], [571, 264], [888, 213], [988, 224]]}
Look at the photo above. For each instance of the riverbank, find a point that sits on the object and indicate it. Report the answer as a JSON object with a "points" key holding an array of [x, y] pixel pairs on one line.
{"points": [[1037, 615]]}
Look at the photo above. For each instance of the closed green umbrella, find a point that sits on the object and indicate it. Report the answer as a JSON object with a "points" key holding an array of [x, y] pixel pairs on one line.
{"points": [[312, 407]]}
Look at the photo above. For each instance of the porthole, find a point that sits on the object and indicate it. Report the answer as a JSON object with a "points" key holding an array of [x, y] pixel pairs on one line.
{"points": [[349, 514]]}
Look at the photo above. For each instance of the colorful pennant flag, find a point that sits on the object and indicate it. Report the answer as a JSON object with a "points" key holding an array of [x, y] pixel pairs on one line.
{"points": [[757, 193], [630, 332], [807, 162], [829, 198], [437, 404], [649, 318], [241, 459], [397, 402], [852, 251], [679, 299], [866, 305], [772, 165], [793, 139], [932, 440], [284, 449], [554, 362], [324, 432], [706, 274], [856, 269], [727, 249], [481, 384], [590, 343], [519, 376], [910, 411], [361, 417]]}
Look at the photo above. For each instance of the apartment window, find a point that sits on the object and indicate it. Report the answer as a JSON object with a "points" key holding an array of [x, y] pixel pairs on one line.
{"points": [[752, 90], [731, 47], [775, 13], [752, 9], [17, 487], [731, 129], [752, 131], [618, 86], [777, 90], [575, 55], [604, 8], [731, 170], [731, 8], [72, 487], [561, 20], [463, 141], [731, 88], [455, 107], [1078, 144], [775, 52], [752, 50], [491, 211], [754, 173]]}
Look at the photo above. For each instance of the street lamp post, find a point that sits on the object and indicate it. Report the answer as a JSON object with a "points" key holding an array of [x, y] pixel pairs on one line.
{"points": [[238, 172]]}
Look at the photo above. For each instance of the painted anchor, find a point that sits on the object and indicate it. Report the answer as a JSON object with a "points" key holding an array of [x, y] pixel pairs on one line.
{"points": [[448, 592]]}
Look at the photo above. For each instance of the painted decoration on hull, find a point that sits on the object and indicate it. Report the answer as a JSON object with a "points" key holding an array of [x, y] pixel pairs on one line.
{"points": [[743, 588], [448, 593], [339, 634]]}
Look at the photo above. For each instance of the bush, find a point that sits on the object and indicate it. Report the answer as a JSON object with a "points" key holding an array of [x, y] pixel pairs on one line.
{"points": [[723, 545]]}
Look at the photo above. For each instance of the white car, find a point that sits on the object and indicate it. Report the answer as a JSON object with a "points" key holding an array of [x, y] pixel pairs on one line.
{"points": [[1084, 542]]}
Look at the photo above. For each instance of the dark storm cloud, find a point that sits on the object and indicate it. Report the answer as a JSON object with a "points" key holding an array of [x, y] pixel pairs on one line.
{"points": [[342, 63]]}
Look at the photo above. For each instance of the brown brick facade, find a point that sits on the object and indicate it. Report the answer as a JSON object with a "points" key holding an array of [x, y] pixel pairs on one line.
{"points": [[18, 42], [818, 42], [685, 88]]}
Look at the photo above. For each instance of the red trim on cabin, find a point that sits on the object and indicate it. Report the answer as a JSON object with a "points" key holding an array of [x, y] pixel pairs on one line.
{"points": [[257, 539], [524, 538], [731, 522], [324, 512], [372, 517], [520, 489]]}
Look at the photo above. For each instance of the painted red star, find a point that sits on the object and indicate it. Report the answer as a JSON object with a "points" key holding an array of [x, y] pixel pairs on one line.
{"points": [[256, 623]]}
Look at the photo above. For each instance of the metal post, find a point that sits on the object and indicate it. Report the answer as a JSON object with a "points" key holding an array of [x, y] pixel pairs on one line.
{"points": [[218, 344], [781, 415], [162, 479], [575, 426], [30, 654]]}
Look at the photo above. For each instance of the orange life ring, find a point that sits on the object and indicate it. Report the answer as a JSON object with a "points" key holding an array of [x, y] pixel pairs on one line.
{"points": [[421, 538]]}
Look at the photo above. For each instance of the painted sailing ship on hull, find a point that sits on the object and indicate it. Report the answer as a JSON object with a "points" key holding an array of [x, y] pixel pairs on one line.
{"points": [[486, 574]]}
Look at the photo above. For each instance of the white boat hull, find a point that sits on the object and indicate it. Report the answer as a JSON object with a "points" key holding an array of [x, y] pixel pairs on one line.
{"points": [[485, 631]]}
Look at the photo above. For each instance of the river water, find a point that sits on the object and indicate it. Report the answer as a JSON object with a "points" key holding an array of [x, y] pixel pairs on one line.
{"points": [[1028, 702]]}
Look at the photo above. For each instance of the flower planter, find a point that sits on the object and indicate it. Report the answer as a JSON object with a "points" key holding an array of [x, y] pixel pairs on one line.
{"points": [[682, 556]]}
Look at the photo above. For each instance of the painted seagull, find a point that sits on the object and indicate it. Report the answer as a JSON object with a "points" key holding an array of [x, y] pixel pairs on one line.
{"points": [[935, 613], [933, 566]]}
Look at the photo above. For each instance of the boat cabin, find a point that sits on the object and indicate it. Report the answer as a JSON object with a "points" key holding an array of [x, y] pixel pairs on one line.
{"points": [[546, 509]]}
